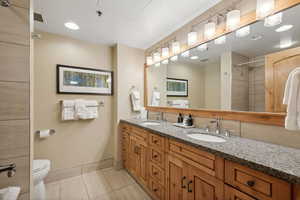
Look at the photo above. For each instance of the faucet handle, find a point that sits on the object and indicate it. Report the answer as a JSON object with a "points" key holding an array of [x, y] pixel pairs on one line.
{"points": [[227, 133]]}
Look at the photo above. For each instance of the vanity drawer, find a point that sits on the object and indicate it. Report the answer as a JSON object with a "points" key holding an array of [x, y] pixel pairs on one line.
{"points": [[157, 157], [157, 141], [207, 162], [257, 184], [233, 194], [157, 173], [125, 128], [157, 189]]}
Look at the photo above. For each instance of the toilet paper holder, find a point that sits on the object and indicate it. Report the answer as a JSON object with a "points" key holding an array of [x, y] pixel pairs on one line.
{"points": [[51, 131]]}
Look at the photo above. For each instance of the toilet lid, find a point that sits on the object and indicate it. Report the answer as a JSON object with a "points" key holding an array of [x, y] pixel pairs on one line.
{"points": [[39, 165]]}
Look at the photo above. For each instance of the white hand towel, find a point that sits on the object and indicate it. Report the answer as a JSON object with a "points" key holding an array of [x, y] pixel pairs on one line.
{"points": [[81, 110], [291, 99], [92, 109], [135, 100], [68, 112], [155, 99]]}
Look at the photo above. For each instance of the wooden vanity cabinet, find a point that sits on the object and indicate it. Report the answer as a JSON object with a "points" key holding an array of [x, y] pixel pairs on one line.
{"points": [[171, 170]]}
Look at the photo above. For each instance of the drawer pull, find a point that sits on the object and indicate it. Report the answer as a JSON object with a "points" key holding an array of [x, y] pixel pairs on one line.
{"points": [[155, 141], [182, 180], [155, 189], [189, 189], [155, 173], [250, 183], [155, 156]]}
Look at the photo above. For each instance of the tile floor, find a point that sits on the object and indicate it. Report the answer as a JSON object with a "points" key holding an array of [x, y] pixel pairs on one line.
{"points": [[106, 184]]}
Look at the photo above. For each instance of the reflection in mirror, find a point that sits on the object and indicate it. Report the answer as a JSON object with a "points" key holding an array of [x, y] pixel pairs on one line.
{"points": [[230, 73]]}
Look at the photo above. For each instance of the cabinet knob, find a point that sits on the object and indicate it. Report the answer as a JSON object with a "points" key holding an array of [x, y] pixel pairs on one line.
{"points": [[155, 141], [250, 183], [155, 173], [155, 189], [155, 156]]}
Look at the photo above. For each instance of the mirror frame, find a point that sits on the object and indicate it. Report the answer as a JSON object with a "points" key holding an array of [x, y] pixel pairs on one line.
{"points": [[266, 118]]}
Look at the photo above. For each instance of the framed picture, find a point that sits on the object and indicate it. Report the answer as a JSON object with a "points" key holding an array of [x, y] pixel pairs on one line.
{"points": [[177, 87], [78, 80]]}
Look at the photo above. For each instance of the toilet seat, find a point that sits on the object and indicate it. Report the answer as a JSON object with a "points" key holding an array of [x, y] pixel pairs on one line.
{"points": [[40, 165]]}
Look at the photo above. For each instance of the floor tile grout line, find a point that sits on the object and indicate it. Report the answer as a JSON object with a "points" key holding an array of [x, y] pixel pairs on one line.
{"points": [[86, 187]]}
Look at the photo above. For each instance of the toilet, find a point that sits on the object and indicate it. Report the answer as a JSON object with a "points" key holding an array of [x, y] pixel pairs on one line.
{"points": [[41, 169]]}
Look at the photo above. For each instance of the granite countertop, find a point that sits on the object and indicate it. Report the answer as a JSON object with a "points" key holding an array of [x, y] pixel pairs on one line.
{"points": [[275, 160]]}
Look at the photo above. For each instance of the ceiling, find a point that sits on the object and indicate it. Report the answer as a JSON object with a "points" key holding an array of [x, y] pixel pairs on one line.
{"points": [[136, 23]]}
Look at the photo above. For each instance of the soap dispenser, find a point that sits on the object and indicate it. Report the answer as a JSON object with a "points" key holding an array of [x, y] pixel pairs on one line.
{"points": [[190, 121], [180, 118]]}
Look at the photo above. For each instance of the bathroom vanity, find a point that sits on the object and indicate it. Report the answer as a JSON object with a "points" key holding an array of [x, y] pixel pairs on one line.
{"points": [[170, 165]]}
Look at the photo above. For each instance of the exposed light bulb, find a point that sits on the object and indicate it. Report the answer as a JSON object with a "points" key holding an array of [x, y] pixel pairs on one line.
{"points": [[243, 32], [220, 40], [209, 30], [192, 38], [273, 20], [157, 65], [165, 62], [176, 47], [72, 26], [194, 57], [286, 43], [185, 54], [156, 57], [264, 8], [202, 47], [174, 58], [233, 19], [149, 60], [165, 52], [284, 28]]}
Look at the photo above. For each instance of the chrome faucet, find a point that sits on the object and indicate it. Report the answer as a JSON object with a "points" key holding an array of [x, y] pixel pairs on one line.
{"points": [[218, 123], [10, 168]]}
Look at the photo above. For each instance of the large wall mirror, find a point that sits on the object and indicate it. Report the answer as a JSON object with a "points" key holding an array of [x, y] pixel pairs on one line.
{"points": [[245, 70]]}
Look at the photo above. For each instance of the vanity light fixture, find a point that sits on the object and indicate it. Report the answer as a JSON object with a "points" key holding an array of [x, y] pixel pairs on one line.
{"points": [[220, 40], [243, 32], [284, 28], [72, 25], [273, 20], [186, 54], [233, 19], [194, 57], [165, 62], [149, 60], [165, 52], [156, 57], [176, 47], [209, 30], [157, 65], [174, 58], [192, 38], [264, 8], [202, 47]]}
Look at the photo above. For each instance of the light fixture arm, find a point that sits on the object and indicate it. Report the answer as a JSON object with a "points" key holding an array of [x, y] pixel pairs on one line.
{"points": [[5, 3]]}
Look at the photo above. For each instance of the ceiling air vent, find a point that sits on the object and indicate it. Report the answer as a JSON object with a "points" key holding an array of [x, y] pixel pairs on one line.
{"points": [[39, 17]]}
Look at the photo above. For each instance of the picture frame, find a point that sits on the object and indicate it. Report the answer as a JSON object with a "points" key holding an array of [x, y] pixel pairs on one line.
{"points": [[80, 80], [177, 87]]}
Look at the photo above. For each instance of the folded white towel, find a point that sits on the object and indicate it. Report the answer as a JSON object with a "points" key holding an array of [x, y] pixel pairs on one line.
{"points": [[135, 100], [10, 193], [68, 111], [68, 103], [81, 110], [292, 100], [155, 98]]}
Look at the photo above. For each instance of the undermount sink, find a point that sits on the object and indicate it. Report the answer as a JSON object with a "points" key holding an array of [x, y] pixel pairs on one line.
{"points": [[206, 138], [150, 123]]}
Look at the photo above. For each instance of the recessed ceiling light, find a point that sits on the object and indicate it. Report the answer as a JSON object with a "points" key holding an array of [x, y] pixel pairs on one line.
{"points": [[273, 20], [165, 62], [256, 37], [194, 57], [72, 26], [242, 32], [284, 28], [285, 43]]}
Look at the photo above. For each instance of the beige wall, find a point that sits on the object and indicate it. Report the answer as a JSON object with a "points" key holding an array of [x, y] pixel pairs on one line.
{"points": [[76, 143], [194, 74], [15, 93], [128, 64], [212, 82]]}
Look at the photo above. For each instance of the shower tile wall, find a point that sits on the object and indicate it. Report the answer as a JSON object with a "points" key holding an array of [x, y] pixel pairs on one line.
{"points": [[257, 86], [14, 92]]}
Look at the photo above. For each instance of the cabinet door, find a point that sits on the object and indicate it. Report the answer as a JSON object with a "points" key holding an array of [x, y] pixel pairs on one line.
{"points": [[142, 154], [176, 179], [202, 186], [233, 194], [134, 159]]}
